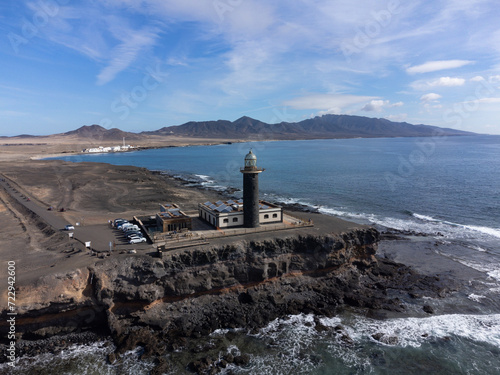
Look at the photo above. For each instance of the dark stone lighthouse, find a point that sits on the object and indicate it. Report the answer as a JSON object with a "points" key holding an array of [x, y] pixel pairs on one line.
{"points": [[251, 191]]}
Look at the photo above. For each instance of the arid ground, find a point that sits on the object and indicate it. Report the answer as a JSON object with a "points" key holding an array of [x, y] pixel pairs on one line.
{"points": [[91, 194]]}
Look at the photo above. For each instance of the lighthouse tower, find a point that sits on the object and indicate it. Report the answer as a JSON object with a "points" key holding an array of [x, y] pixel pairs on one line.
{"points": [[251, 191]]}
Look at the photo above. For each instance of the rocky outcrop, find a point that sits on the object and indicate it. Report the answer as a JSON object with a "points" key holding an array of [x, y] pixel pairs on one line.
{"points": [[244, 284], [156, 303]]}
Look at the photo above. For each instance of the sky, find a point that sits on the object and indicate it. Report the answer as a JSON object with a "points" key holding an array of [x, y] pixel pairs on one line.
{"points": [[141, 65]]}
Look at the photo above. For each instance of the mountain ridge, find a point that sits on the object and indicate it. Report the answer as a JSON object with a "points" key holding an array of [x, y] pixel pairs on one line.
{"points": [[247, 128], [97, 131], [326, 126]]}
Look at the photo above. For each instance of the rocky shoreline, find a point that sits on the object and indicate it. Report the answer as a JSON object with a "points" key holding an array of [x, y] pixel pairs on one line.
{"points": [[172, 304], [167, 304]]}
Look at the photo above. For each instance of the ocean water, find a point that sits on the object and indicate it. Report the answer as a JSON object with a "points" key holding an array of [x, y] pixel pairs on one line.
{"points": [[446, 188], [442, 185]]}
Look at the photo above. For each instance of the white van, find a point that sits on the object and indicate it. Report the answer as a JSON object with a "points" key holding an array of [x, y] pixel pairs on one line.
{"points": [[123, 225], [131, 228]]}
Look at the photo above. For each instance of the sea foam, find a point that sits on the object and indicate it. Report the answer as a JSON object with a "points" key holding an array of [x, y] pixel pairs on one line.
{"points": [[414, 331], [418, 223]]}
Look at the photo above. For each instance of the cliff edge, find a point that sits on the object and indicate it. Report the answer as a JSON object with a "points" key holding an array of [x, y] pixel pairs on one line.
{"points": [[159, 303]]}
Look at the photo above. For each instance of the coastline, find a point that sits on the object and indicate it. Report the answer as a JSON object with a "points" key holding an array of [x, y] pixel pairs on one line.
{"points": [[408, 247], [227, 193], [410, 257], [294, 206], [14, 149], [25, 148], [135, 149]]}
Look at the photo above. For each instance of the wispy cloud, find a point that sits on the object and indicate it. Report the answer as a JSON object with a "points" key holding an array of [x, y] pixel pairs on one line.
{"points": [[485, 100], [102, 35], [79, 29], [430, 97], [125, 54], [439, 82], [249, 68], [174, 61], [447, 81], [494, 79], [251, 54], [477, 79], [433, 66], [10, 113], [379, 105], [375, 105], [398, 118]]}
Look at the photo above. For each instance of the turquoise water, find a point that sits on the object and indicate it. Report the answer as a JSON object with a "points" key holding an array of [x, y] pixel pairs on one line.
{"points": [[445, 188]]}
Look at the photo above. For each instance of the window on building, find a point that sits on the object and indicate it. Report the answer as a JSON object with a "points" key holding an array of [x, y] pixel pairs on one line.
{"points": [[275, 216], [235, 219], [225, 221], [266, 216]]}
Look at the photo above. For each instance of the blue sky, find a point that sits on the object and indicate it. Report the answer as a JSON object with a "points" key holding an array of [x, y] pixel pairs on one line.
{"points": [[144, 64]]}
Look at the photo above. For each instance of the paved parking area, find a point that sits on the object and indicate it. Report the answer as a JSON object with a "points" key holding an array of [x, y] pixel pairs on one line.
{"points": [[102, 235]]}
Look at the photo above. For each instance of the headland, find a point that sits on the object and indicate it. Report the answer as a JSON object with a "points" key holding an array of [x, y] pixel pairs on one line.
{"points": [[161, 304]]}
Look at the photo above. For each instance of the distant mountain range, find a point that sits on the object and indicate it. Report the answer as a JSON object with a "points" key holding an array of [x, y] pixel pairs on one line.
{"points": [[327, 126], [246, 128]]}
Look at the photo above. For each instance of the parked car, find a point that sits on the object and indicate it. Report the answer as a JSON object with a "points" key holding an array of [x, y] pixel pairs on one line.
{"points": [[118, 221], [137, 240], [69, 227], [133, 233], [130, 228], [127, 232], [124, 225], [129, 225]]}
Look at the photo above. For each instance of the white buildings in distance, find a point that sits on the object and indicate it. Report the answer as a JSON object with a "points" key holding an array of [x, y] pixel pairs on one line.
{"points": [[102, 149]]}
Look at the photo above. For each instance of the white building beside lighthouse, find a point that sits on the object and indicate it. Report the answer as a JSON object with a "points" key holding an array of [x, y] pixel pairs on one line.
{"points": [[249, 212]]}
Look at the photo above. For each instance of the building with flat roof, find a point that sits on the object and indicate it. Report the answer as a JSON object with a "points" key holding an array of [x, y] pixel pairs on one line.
{"points": [[231, 213], [171, 218]]}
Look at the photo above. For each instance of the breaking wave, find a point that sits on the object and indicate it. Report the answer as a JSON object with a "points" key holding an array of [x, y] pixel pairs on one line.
{"points": [[81, 360], [424, 224], [359, 345], [416, 331]]}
